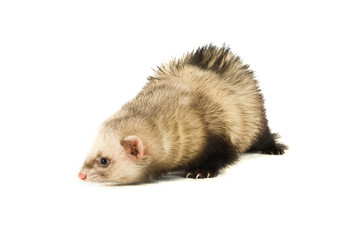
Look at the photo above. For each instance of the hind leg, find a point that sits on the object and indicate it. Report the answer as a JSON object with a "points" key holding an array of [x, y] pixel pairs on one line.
{"points": [[267, 143]]}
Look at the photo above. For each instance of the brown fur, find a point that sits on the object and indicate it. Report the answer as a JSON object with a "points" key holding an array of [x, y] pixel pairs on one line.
{"points": [[209, 92]]}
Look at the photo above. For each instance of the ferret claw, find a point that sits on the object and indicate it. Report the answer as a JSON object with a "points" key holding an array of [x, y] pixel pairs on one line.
{"points": [[201, 173], [274, 151]]}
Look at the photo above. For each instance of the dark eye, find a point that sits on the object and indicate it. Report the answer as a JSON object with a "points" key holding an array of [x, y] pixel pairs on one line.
{"points": [[104, 162]]}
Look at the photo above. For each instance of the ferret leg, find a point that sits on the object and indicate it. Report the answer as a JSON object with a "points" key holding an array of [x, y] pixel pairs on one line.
{"points": [[219, 153], [267, 144], [201, 173]]}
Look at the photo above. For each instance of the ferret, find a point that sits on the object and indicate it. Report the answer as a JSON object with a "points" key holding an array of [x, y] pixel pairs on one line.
{"points": [[196, 115]]}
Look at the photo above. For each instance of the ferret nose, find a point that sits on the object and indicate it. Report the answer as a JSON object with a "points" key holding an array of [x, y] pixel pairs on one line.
{"points": [[82, 176]]}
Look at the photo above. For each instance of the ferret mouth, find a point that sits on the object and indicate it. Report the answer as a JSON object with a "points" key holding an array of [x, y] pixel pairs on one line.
{"points": [[87, 176], [91, 178], [99, 179]]}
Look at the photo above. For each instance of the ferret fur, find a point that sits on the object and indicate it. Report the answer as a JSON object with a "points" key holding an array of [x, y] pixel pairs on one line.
{"points": [[195, 115]]}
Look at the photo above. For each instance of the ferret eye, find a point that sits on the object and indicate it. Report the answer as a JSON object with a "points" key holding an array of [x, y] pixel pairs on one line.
{"points": [[104, 162]]}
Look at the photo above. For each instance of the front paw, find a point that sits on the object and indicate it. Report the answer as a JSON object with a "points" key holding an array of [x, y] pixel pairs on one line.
{"points": [[201, 173]]}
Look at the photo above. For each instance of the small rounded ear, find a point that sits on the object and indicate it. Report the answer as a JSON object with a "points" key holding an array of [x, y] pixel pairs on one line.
{"points": [[133, 146]]}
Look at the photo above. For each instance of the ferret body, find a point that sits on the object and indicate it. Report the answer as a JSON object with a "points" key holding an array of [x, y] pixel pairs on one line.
{"points": [[195, 115]]}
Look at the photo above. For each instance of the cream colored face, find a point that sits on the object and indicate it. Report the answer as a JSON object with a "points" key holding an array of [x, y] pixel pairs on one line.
{"points": [[109, 162]]}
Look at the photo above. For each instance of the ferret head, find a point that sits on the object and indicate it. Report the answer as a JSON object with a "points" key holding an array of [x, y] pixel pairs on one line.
{"points": [[115, 160]]}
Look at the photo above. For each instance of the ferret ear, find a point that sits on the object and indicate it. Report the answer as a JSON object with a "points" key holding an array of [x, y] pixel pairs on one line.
{"points": [[134, 146]]}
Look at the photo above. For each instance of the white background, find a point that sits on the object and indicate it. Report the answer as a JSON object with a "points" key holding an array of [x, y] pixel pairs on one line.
{"points": [[65, 66]]}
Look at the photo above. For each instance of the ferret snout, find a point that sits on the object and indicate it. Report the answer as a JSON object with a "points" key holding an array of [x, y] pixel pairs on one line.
{"points": [[82, 176]]}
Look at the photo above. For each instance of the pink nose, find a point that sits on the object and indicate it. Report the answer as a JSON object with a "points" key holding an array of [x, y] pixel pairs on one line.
{"points": [[82, 176]]}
